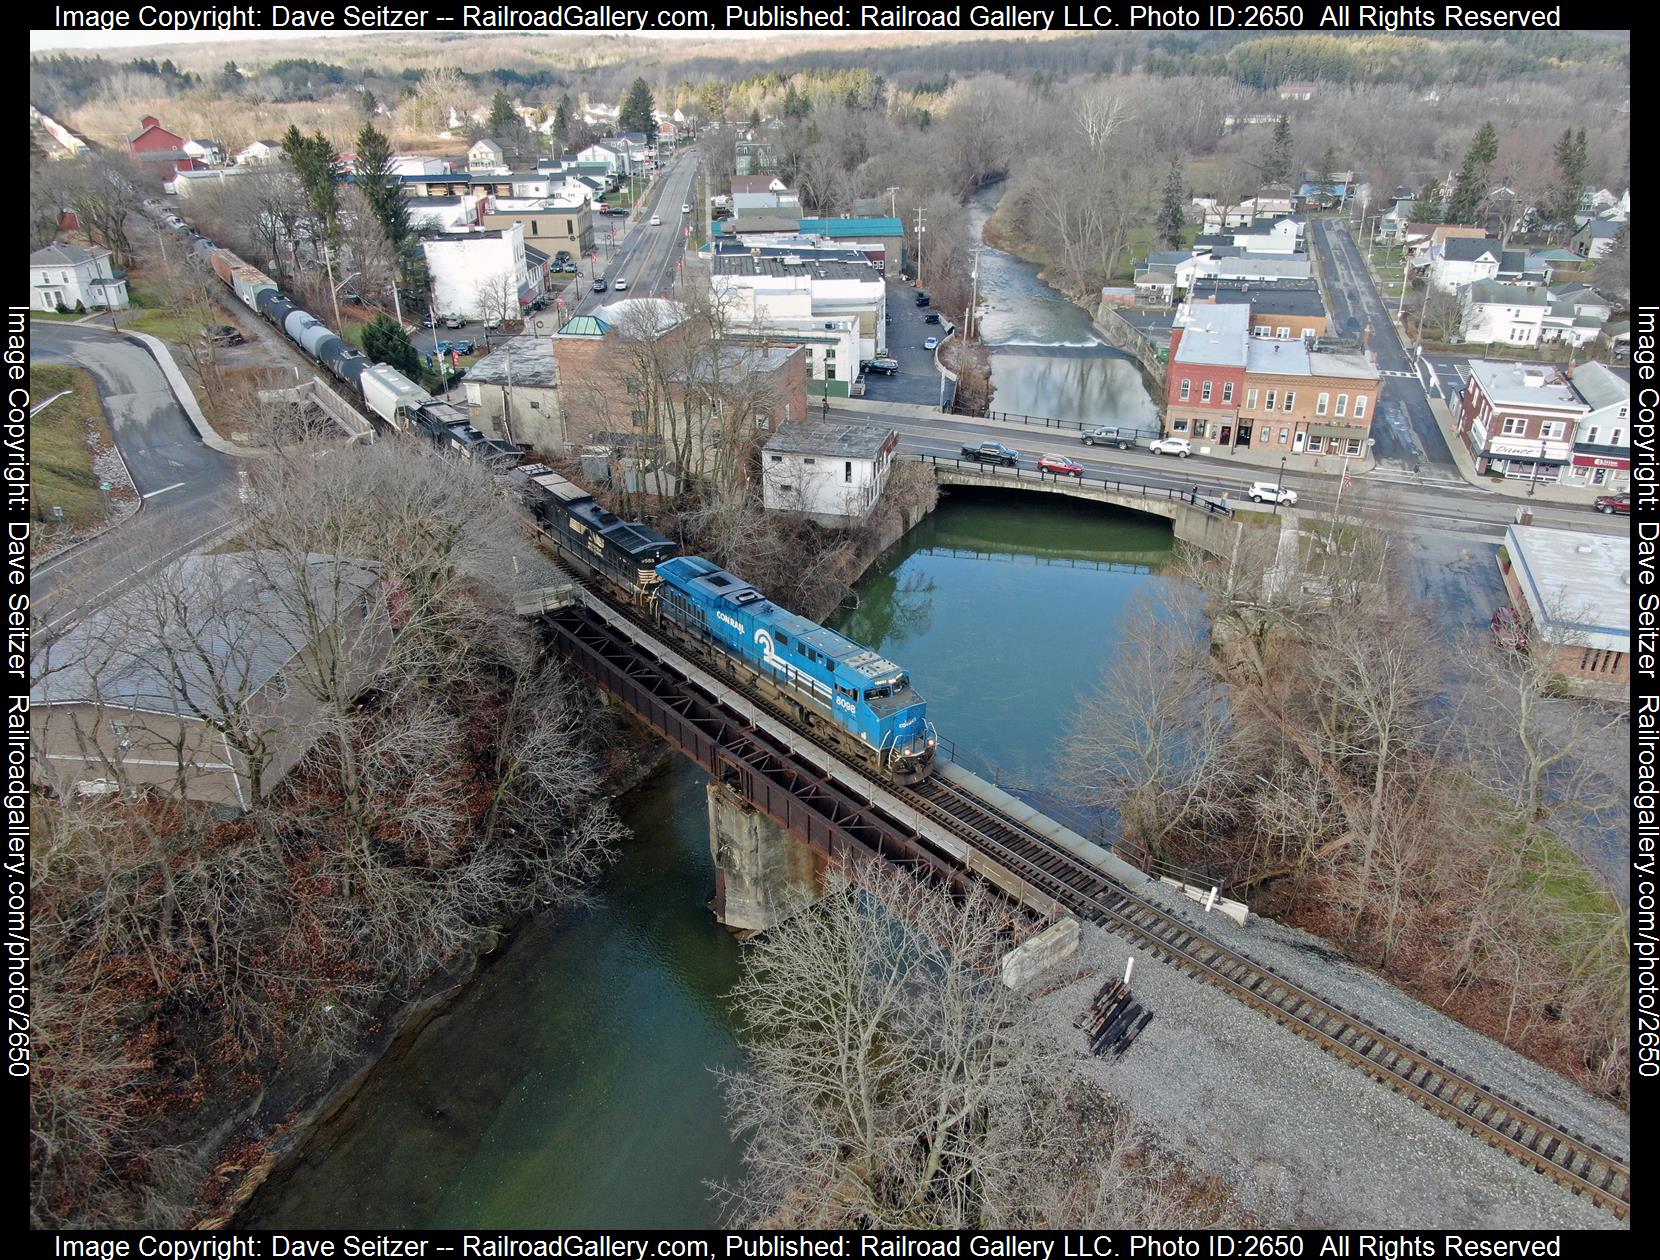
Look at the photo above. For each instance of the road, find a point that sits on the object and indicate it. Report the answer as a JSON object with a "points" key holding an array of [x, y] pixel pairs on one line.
{"points": [[1453, 510], [1405, 429], [187, 487], [647, 257]]}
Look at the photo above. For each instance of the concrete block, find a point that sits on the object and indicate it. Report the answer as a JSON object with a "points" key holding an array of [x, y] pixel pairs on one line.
{"points": [[762, 872], [1025, 962]]}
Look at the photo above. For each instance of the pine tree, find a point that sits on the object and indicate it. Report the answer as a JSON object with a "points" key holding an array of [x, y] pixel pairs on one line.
{"points": [[380, 186], [795, 104], [385, 341], [1428, 207], [230, 78], [637, 111], [1276, 165], [1172, 214], [1566, 193], [1471, 190], [502, 122], [562, 122], [313, 159]]}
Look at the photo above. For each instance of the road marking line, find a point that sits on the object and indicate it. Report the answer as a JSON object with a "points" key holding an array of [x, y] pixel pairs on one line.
{"points": [[176, 485]]}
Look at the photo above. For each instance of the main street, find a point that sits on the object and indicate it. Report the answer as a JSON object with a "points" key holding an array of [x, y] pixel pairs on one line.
{"points": [[1405, 429], [1456, 508], [186, 487], [648, 257]]}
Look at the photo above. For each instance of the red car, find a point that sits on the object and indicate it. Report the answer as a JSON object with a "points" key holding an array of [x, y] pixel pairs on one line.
{"points": [[1614, 504], [1060, 466]]}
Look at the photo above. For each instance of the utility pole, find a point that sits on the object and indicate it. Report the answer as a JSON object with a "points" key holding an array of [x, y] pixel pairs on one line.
{"points": [[973, 296], [328, 262], [397, 306], [507, 397], [893, 200], [920, 229]]}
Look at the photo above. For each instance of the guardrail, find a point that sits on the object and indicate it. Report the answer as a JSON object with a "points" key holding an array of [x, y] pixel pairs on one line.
{"points": [[1076, 426], [1190, 497]]}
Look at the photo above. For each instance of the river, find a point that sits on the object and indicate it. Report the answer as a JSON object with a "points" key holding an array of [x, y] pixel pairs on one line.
{"points": [[1046, 358], [573, 1084]]}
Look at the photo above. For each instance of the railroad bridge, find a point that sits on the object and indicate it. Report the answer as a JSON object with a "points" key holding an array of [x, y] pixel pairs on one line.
{"points": [[784, 809]]}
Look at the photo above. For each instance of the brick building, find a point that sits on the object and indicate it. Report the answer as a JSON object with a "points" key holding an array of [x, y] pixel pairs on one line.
{"points": [[1237, 392], [1518, 420], [1572, 593]]}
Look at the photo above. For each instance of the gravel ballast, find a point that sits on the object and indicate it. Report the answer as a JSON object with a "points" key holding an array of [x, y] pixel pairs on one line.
{"points": [[1302, 1138]]}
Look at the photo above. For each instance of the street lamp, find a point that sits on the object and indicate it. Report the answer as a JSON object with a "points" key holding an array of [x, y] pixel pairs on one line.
{"points": [[1281, 486]]}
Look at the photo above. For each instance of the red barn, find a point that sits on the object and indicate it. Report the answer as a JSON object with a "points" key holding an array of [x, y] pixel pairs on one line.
{"points": [[154, 143]]}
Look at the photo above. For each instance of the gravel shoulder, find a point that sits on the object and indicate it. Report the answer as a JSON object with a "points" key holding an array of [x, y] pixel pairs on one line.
{"points": [[1302, 1139]]}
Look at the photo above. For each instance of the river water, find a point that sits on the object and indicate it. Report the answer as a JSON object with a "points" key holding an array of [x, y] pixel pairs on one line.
{"points": [[573, 1084], [1046, 358]]}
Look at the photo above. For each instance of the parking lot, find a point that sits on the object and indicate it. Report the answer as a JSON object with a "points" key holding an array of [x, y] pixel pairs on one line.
{"points": [[918, 380]]}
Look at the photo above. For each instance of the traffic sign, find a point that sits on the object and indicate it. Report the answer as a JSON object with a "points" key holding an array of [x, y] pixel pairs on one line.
{"points": [[105, 485]]}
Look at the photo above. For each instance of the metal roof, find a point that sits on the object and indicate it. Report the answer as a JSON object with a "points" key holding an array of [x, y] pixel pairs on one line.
{"points": [[839, 438]]}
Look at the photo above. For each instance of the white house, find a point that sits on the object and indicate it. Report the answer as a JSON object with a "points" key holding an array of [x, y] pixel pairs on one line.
{"points": [[208, 151], [800, 286], [485, 155], [833, 470], [1249, 267], [1277, 236], [1602, 436], [1595, 238], [1506, 314], [614, 157], [260, 152], [411, 164], [62, 275], [1459, 261], [479, 274]]}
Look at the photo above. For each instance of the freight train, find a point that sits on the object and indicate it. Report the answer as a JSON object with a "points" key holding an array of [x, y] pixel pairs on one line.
{"points": [[391, 396], [855, 698], [852, 696]]}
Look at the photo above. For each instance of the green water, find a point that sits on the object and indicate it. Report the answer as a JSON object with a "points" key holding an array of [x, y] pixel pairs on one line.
{"points": [[1004, 610], [570, 1086]]}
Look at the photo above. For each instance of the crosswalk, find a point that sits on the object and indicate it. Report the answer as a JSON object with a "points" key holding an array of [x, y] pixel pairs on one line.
{"points": [[1391, 372]]}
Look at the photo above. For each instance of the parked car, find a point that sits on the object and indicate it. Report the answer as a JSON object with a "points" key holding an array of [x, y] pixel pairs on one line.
{"points": [[656, 220], [685, 207], [427, 321], [931, 343], [1179, 447], [490, 325], [1268, 492], [620, 283], [599, 285], [887, 367], [461, 345], [992, 453], [1060, 466], [453, 321], [932, 317], [222, 335], [1614, 504], [922, 299], [1123, 439]]}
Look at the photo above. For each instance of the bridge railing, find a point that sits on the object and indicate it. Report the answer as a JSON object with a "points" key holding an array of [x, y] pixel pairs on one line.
{"points": [[1001, 471], [1068, 426]]}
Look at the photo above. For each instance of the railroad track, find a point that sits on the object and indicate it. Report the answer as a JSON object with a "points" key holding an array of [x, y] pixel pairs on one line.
{"points": [[1088, 892], [1504, 1123]]}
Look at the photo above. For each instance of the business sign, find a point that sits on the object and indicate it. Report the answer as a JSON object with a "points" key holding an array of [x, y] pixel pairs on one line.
{"points": [[1534, 449], [1600, 461]]}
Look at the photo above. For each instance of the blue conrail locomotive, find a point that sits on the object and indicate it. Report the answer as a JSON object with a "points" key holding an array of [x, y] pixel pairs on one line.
{"points": [[851, 696], [861, 701]]}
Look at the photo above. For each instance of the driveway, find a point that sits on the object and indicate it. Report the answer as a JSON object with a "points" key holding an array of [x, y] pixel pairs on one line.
{"points": [[187, 487]]}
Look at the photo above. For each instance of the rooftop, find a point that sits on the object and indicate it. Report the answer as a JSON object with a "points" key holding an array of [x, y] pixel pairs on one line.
{"points": [[1470, 248], [1330, 363], [1270, 297], [852, 226], [1294, 266], [524, 360], [814, 265], [1491, 291], [1599, 386], [845, 439], [1577, 585], [1276, 356], [1217, 335], [1523, 385], [60, 255]]}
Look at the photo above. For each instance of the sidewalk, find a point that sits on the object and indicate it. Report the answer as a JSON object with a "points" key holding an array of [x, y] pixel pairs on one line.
{"points": [[1539, 492]]}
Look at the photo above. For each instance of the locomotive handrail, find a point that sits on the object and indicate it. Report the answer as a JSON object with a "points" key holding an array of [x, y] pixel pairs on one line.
{"points": [[1191, 497]]}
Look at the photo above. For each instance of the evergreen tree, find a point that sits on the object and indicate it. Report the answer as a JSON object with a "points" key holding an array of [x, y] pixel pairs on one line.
{"points": [[313, 159], [795, 104], [380, 187], [1428, 207], [1566, 193], [502, 122], [1276, 165], [1464, 206], [755, 119], [637, 110], [230, 78], [385, 341], [562, 122], [1172, 213]]}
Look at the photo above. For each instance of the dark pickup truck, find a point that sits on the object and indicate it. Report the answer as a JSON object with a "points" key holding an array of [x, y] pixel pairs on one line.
{"points": [[992, 453], [1123, 439]]}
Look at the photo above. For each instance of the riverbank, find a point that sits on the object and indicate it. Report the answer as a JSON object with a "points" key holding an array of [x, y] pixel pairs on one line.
{"points": [[293, 1115]]}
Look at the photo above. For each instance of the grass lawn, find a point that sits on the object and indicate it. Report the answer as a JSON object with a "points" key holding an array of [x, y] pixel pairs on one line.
{"points": [[67, 317], [63, 475], [148, 314], [1144, 241]]}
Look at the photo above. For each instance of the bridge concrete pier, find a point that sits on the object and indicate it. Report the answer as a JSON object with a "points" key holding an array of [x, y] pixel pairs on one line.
{"points": [[762, 872]]}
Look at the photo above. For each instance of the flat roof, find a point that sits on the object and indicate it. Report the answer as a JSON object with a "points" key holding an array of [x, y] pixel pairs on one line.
{"points": [[1524, 385], [1269, 301], [842, 438], [1216, 334], [1276, 356], [530, 357], [1577, 585], [813, 265]]}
